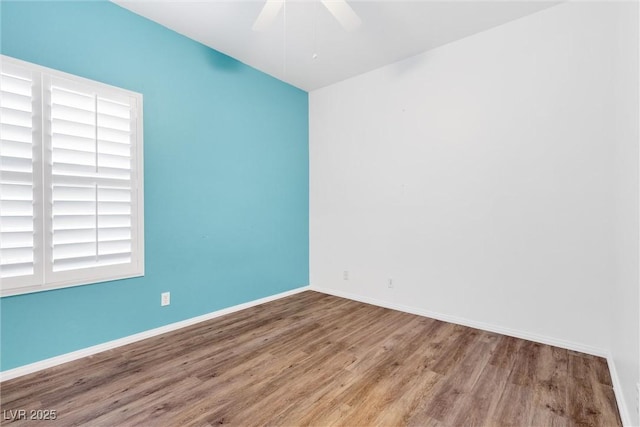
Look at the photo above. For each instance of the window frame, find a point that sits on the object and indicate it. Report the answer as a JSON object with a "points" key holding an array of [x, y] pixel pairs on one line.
{"points": [[44, 278]]}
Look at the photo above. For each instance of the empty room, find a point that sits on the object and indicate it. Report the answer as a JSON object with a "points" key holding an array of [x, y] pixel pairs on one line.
{"points": [[319, 212]]}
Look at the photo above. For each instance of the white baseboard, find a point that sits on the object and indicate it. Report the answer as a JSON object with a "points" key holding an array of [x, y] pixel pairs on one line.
{"points": [[625, 415], [569, 345], [68, 357]]}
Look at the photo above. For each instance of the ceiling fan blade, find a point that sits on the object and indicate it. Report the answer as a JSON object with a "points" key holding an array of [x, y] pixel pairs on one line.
{"points": [[267, 15], [345, 15]]}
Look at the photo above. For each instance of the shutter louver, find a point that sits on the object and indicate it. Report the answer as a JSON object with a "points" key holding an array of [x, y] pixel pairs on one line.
{"points": [[17, 177], [91, 171]]}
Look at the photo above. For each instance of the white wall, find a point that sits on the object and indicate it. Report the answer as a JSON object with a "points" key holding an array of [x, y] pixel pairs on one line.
{"points": [[481, 176], [625, 331]]}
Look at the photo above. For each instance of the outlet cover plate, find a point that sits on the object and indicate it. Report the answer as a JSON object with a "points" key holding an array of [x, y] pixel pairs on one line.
{"points": [[165, 298]]}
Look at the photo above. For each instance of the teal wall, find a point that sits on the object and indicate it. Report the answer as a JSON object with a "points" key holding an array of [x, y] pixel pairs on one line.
{"points": [[226, 178]]}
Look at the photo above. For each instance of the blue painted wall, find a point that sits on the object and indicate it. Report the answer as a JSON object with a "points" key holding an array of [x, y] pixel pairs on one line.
{"points": [[226, 178]]}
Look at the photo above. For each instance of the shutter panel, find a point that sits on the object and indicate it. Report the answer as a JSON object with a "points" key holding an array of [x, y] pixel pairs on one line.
{"points": [[91, 205], [19, 146]]}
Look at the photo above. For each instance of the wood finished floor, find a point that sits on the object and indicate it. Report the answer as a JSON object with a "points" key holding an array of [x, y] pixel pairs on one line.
{"points": [[315, 359]]}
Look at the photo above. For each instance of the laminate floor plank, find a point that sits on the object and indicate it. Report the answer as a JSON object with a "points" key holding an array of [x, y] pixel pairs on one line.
{"points": [[483, 399], [505, 352], [386, 379], [317, 360], [406, 402]]}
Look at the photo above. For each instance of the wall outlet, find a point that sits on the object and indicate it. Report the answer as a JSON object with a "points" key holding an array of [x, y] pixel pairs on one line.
{"points": [[165, 298], [390, 283], [345, 275]]}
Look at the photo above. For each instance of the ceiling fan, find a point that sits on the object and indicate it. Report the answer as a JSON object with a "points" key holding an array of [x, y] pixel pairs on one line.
{"points": [[340, 10]]}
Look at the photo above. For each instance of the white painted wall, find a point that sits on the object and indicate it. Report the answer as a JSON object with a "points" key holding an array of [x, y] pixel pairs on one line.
{"points": [[482, 177], [625, 331]]}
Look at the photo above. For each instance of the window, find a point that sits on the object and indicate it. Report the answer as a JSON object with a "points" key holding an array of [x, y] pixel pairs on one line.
{"points": [[71, 180]]}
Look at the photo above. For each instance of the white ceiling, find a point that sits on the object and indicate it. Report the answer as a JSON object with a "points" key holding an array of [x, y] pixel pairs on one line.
{"points": [[391, 30]]}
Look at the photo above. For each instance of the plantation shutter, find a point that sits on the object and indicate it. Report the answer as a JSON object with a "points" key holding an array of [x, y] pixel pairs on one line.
{"points": [[19, 147], [71, 181], [91, 186]]}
